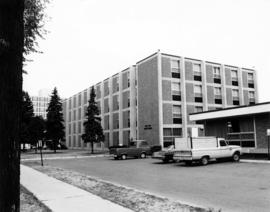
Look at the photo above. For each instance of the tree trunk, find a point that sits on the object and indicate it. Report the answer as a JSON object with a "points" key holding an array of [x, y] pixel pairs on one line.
{"points": [[11, 48], [92, 147], [54, 146]]}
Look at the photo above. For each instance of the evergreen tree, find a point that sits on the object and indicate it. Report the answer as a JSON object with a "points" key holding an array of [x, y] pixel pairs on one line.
{"points": [[27, 115], [36, 129], [92, 127], [54, 124]]}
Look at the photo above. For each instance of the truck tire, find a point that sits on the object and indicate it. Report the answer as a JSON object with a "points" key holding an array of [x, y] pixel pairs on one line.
{"points": [[165, 160], [204, 161], [123, 157], [143, 155], [236, 157]]}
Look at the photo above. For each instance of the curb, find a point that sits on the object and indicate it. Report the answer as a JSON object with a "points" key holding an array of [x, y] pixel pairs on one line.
{"points": [[65, 157], [255, 161]]}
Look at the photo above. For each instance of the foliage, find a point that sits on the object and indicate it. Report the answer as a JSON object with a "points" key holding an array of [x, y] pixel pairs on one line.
{"points": [[93, 129], [27, 115], [34, 19], [54, 124], [36, 129]]}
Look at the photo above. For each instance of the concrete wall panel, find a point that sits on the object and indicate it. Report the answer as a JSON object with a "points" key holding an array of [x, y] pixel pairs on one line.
{"points": [[166, 90], [167, 114], [148, 102], [166, 67]]}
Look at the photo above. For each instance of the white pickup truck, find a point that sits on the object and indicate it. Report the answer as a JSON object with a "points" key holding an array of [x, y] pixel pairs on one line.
{"points": [[203, 149]]}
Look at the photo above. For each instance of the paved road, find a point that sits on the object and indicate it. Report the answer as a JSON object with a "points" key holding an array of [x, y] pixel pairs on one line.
{"points": [[229, 186]]}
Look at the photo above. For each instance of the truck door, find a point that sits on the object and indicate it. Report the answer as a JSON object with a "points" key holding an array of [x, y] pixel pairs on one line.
{"points": [[224, 149]]}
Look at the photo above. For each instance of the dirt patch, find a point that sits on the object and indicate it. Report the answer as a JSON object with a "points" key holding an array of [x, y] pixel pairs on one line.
{"points": [[127, 197], [29, 203]]}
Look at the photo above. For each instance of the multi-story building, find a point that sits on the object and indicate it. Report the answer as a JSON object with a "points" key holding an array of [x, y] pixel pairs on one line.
{"points": [[40, 103], [152, 99]]}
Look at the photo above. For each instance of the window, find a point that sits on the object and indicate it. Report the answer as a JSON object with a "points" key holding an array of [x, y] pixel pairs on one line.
{"points": [[175, 68], [128, 103], [234, 74], [117, 83], [74, 115], [117, 102], [250, 77], [216, 73], [198, 89], [197, 72], [197, 68], [198, 109], [250, 80], [251, 95], [169, 135], [235, 95], [85, 96], [79, 127], [234, 77], [80, 99], [128, 118], [176, 91], [198, 93], [79, 113], [128, 79], [74, 101], [176, 111], [217, 91], [177, 117]]}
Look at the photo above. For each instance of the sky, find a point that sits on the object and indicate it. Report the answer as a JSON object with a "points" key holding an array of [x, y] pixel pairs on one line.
{"points": [[91, 40]]}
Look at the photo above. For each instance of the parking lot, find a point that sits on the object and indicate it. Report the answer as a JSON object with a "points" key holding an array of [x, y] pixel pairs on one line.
{"points": [[227, 186]]}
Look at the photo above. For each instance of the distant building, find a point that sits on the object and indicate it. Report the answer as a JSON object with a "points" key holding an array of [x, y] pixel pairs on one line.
{"points": [[40, 103], [245, 126], [152, 99]]}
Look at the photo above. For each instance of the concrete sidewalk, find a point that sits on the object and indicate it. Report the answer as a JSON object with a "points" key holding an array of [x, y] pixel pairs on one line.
{"points": [[60, 196]]}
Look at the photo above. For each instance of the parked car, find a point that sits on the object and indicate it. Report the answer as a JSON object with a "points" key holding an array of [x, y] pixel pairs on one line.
{"points": [[203, 149], [166, 155], [136, 149]]}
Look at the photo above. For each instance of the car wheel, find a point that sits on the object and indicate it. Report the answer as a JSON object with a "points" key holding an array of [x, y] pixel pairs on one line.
{"points": [[204, 161], [236, 157], [143, 155], [124, 157]]}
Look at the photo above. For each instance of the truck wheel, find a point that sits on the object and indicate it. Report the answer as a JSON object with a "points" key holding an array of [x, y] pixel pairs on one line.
{"points": [[236, 157], [188, 163], [204, 161], [165, 160], [124, 157], [143, 155]]}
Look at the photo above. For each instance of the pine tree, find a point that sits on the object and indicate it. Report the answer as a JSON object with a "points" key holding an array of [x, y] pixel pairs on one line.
{"points": [[36, 129], [27, 115], [54, 124], [93, 132]]}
